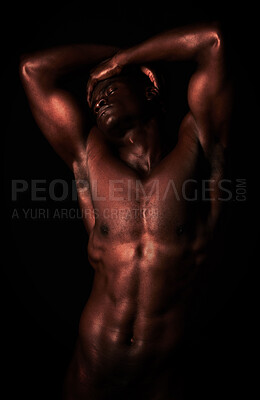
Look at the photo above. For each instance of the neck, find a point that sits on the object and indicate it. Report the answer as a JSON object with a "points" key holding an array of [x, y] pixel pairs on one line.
{"points": [[141, 147]]}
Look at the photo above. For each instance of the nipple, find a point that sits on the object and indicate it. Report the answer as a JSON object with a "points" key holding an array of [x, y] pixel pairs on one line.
{"points": [[104, 229]]}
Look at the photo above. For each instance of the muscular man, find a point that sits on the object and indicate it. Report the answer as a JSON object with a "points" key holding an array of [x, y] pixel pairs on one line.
{"points": [[151, 219]]}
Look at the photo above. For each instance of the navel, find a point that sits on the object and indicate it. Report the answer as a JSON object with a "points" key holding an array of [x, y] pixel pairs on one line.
{"points": [[131, 341]]}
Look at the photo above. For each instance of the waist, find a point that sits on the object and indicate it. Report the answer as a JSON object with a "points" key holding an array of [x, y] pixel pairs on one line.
{"points": [[129, 329], [109, 357], [139, 304]]}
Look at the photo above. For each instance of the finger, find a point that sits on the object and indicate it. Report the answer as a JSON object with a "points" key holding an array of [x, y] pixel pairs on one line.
{"points": [[89, 97], [151, 75], [90, 90]]}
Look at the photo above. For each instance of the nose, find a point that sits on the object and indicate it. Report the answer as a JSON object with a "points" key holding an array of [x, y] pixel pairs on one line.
{"points": [[102, 102]]}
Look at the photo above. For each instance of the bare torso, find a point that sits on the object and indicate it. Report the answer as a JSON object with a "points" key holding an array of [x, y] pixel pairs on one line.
{"points": [[151, 217], [149, 246]]}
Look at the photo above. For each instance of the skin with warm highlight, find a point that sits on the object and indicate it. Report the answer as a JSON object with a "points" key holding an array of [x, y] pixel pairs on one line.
{"points": [[152, 237]]}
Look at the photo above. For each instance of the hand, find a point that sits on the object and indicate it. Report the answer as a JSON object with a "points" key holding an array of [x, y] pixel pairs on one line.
{"points": [[106, 69], [151, 75]]}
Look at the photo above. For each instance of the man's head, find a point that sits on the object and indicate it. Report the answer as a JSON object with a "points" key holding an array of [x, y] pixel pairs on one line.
{"points": [[122, 100]]}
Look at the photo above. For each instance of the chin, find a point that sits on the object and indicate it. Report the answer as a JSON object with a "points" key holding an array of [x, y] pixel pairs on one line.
{"points": [[114, 125], [107, 123]]}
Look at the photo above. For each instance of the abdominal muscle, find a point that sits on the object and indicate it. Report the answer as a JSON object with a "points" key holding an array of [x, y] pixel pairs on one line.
{"points": [[134, 320]]}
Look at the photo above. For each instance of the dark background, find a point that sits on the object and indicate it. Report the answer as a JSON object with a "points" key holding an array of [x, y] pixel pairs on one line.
{"points": [[46, 276]]}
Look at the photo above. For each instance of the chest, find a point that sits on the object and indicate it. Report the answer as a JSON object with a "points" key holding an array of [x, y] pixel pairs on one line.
{"points": [[163, 203]]}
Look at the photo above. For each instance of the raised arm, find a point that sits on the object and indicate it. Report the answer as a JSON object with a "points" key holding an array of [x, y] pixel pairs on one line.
{"points": [[209, 89], [56, 110]]}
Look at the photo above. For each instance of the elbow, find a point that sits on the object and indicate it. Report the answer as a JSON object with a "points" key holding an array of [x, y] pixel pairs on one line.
{"points": [[25, 68], [214, 44], [216, 37], [28, 68], [216, 40]]}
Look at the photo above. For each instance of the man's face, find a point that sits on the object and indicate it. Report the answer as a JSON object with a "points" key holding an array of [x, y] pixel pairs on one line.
{"points": [[116, 104]]}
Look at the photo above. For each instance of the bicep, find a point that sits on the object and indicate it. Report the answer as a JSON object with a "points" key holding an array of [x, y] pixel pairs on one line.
{"points": [[60, 119]]}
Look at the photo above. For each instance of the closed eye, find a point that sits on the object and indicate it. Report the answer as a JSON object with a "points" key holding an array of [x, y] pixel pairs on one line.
{"points": [[111, 90]]}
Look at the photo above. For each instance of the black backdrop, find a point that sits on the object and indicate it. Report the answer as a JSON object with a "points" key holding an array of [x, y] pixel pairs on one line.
{"points": [[46, 275]]}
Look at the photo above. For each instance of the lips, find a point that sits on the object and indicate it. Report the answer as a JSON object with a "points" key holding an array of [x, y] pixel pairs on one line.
{"points": [[103, 110]]}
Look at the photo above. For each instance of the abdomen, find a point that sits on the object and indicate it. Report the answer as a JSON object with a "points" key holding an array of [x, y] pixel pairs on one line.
{"points": [[136, 300]]}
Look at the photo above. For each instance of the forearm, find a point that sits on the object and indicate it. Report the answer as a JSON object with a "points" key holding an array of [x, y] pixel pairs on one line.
{"points": [[177, 44], [56, 62]]}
